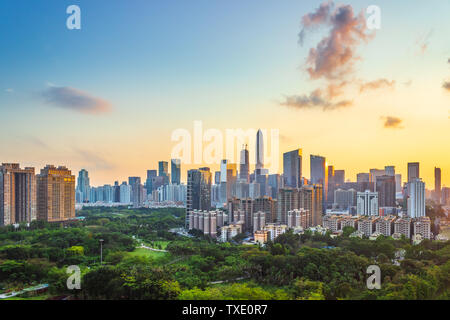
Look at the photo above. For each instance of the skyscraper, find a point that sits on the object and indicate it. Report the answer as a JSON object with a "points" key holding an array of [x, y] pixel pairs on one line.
{"points": [[385, 187], [17, 194], [198, 191], [389, 170], [149, 182], [83, 186], [413, 171], [244, 165], [319, 173], [55, 194], [416, 198], [437, 184], [259, 150], [292, 168], [339, 178], [163, 171], [175, 171], [331, 185], [136, 191]]}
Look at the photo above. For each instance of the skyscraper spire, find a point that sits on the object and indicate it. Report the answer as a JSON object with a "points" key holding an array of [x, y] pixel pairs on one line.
{"points": [[259, 150]]}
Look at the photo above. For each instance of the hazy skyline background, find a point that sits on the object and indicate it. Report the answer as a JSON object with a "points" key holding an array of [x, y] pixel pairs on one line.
{"points": [[107, 97]]}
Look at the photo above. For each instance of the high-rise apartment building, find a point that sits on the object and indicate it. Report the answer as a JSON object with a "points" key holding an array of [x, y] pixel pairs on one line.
{"points": [[292, 168], [17, 194], [367, 203], [416, 198], [55, 194]]}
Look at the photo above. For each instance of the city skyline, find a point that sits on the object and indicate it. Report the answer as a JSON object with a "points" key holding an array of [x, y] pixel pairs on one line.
{"points": [[399, 110]]}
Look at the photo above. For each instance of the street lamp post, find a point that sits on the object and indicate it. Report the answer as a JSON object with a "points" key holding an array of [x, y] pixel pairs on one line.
{"points": [[101, 251]]}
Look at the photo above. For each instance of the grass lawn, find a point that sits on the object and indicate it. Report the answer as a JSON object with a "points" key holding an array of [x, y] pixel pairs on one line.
{"points": [[154, 244], [43, 296], [147, 253]]}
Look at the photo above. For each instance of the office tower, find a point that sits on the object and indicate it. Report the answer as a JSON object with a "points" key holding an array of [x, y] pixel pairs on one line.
{"points": [[136, 191], [339, 178], [149, 181], [223, 180], [55, 194], [364, 183], [416, 198], [217, 177], [398, 182], [319, 174], [344, 199], [254, 190], [244, 165], [261, 179], [375, 173], [259, 150], [274, 182], [437, 184], [241, 189], [317, 168], [231, 179], [125, 193], [163, 171], [389, 170], [83, 186], [198, 191], [175, 171], [367, 203], [331, 186], [385, 187], [292, 168], [413, 171], [17, 194], [116, 192]]}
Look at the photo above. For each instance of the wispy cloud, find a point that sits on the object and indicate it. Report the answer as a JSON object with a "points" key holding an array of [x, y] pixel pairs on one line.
{"points": [[93, 160], [313, 101], [376, 84], [75, 99], [392, 122], [446, 85]]}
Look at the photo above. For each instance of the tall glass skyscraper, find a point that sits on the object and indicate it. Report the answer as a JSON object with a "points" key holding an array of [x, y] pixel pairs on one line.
{"points": [[175, 171], [292, 168], [83, 186], [259, 150], [244, 165]]}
